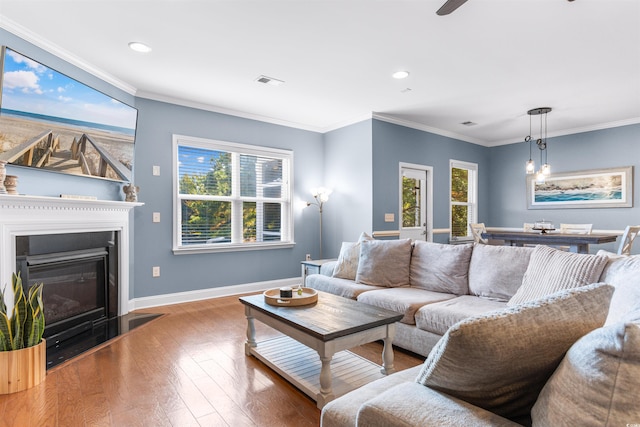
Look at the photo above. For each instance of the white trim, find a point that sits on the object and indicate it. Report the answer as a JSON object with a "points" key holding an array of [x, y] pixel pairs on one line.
{"points": [[203, 294], [428, 171], [35, 39], [425, 128], [28, 215]]}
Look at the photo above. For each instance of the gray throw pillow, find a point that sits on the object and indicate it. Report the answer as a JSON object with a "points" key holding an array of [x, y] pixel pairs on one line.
{"points": [[597, 382], [500, 360], [441, 268], [623, 272], [551, 270], [347, 265], [496, 272], [384, 263]]}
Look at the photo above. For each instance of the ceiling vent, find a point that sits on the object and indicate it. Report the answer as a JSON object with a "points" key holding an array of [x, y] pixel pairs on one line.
{"points": [[269, 81]]}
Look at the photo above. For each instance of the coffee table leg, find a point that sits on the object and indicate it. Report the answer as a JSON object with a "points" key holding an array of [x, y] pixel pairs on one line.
{"points": [[326, 390], [387, 351], [251, 332]]}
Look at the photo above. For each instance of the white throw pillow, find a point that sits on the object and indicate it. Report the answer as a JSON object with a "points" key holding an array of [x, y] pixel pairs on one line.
{"points": [[597, 382], [500, 360], [551, 270], [623, 272], [347, 264]]}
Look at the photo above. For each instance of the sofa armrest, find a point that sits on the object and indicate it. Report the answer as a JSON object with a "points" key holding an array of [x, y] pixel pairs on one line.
{"points": [[327, 268], [412, 404]]}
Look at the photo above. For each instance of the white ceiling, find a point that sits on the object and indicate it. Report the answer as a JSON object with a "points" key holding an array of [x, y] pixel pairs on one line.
{"points": [[488, 62]]}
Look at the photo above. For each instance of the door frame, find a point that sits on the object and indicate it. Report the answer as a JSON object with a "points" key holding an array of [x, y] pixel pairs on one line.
{"points": [[428, 170]]}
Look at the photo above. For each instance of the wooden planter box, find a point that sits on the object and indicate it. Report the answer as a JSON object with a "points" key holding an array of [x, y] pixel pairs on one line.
{"points": [[22, 369]]}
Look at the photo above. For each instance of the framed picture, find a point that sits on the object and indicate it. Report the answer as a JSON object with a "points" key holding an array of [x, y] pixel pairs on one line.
{"points": [[598, 188], [51, 121]]}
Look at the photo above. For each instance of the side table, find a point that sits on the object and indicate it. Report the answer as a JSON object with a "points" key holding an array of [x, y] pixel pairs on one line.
{"points": [[312, 267]]}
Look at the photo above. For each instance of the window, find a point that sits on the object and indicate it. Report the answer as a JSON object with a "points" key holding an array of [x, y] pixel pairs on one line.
{"points": [[231, 196], [464, 198]]}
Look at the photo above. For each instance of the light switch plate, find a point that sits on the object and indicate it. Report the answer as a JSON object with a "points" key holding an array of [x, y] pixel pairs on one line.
{"points": [[156, 272], [389, 217], [156, 170], [156, 217]]}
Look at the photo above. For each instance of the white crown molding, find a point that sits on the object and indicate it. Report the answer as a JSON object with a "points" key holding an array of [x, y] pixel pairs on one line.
{"points": [[229, 112], [422, 127], [562, 132], [35, 39]]}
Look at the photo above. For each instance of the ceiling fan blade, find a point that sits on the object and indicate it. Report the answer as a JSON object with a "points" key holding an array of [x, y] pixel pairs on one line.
{"points": [[450, 6]]}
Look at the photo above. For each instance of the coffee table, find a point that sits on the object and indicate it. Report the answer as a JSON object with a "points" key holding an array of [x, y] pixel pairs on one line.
{"points": [[312, 355]]}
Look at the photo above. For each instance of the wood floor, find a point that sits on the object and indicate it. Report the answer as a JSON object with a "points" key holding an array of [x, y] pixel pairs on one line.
{"points": [[186, 368]]}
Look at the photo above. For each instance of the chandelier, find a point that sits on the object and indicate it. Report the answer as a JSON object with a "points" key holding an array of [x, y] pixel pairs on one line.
{"points": [[541, 142]]}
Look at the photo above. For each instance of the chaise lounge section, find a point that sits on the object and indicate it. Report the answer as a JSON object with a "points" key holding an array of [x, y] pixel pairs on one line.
{"points": [[495, 323]]}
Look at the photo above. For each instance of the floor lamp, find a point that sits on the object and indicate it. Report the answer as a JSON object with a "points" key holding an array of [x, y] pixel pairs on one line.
{"points": [[321, 195]]}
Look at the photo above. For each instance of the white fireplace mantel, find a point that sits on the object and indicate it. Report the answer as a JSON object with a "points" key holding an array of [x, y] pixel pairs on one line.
{"points": [[28, 215]]}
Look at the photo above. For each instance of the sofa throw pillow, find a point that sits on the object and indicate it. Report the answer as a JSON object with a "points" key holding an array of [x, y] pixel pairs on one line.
{"points": [[551, 270], [347, 264], [496, 272], [441, 268], [596, 383], [500, 360], [623, 272], [384, 262]]}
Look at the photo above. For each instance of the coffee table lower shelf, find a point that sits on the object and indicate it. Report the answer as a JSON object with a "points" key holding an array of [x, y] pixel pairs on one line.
{"points": [[300, 365]]}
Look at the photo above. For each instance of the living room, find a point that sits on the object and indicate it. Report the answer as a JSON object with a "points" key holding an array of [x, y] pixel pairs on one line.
{"points": [[358, 161]]}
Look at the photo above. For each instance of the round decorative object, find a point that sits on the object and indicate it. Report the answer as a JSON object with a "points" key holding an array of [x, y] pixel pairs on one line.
{"points": [[11, 184], [3, 173], [300, 296]]}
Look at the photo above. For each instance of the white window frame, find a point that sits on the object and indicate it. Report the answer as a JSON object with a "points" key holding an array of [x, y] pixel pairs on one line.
{"points": [[236, 243], [472, 192]]}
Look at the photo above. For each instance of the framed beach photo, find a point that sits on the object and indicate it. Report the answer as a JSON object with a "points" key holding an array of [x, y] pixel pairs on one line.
{"points": [[53, 122], [599, 188]]}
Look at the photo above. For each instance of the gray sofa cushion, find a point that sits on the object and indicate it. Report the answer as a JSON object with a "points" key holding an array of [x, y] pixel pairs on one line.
{"points": [[623, 272], [441, 268], [497, 271], [439, 317], [348, 259], [384, 262], [501, 360], [551, 270], [411, 404], [344, 411], [402, 300], [341, 287], [597, 382]]}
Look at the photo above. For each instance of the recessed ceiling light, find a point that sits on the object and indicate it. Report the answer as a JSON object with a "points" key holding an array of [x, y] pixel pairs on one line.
{"points": [[400, 74], [139, 47]]}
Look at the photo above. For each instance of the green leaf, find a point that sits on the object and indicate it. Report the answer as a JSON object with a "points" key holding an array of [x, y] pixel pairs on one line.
{"points": [[19, 313], [34, 320], [5, 333]]}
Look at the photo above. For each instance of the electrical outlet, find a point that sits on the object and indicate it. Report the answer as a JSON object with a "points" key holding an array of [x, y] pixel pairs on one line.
{"points": [[308, 257], [156, 217], [156, 170], [156, 271]]}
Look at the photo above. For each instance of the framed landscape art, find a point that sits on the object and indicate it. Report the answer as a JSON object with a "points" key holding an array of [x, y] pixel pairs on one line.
{"points": [[51, 121], [599, 188]]}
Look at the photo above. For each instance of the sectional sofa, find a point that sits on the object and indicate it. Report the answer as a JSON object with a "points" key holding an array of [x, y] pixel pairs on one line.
{"points": [[511, 336]]}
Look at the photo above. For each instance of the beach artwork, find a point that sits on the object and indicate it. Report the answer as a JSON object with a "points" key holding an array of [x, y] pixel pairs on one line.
{"points": [[601, 188], [51, 121]]}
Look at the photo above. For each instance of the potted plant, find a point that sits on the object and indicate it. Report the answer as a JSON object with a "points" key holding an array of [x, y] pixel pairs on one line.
{"points": [[22, 349]]}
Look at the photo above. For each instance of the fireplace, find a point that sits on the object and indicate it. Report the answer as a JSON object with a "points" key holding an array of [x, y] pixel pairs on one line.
{"points": [[80, 250], [80, 276]]}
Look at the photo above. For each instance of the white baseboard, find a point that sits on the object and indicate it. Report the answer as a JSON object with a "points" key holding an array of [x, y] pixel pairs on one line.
{"points": [[202, 294]]}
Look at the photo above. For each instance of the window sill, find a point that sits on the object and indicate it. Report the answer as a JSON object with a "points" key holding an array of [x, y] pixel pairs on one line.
{"points": [[228, 247]]}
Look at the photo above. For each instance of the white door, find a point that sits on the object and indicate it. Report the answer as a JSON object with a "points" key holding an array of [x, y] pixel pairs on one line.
{"points": [[416, 212]]}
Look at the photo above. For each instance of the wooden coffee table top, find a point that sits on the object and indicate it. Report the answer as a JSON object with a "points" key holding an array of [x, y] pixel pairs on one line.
{"points": [[329, 318]]}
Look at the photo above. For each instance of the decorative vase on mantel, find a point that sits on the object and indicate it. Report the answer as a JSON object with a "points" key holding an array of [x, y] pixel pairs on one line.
{"points": [[3, 174], [11, 184]]}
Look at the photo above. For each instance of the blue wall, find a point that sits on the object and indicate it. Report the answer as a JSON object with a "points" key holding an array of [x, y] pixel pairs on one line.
{"points": [[393, 144], [607, 148], [157, 122]]}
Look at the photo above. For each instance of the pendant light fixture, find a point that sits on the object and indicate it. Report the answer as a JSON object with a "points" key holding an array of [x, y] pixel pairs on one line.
{"points": [[541, 142]]}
